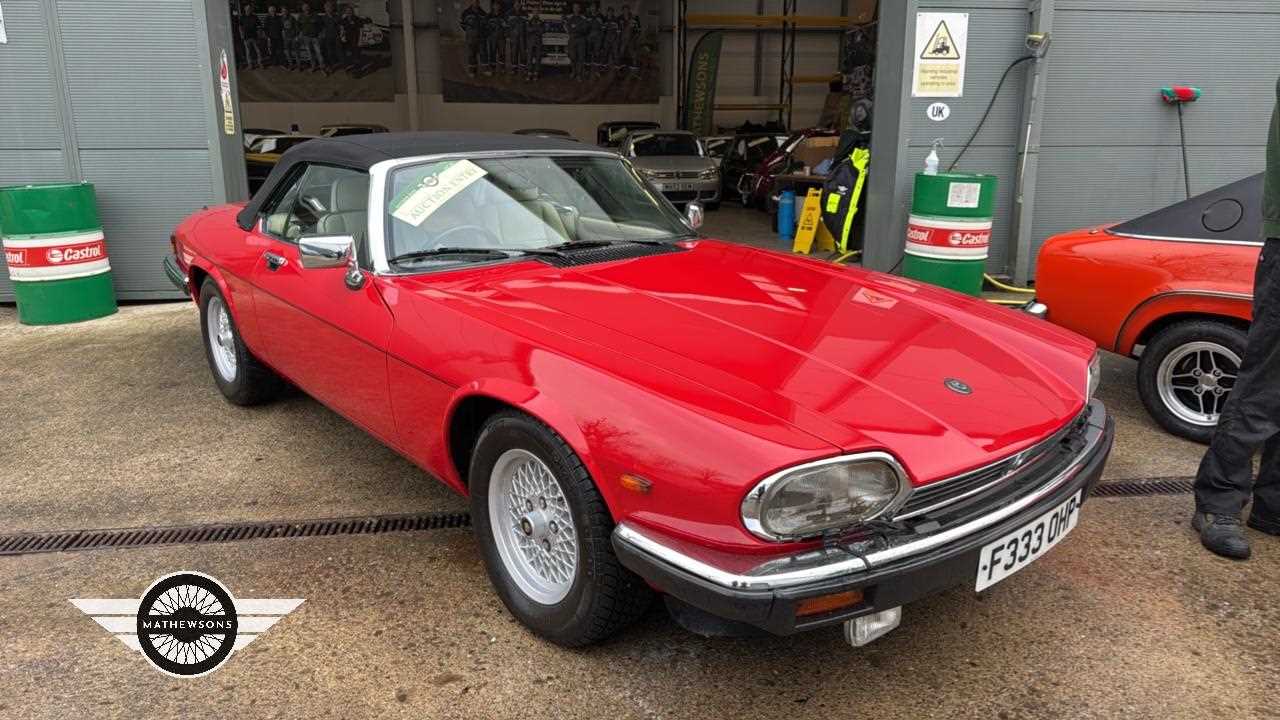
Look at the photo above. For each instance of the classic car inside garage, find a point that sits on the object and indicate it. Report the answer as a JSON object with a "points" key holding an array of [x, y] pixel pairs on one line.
{"points": [[543, 374]]}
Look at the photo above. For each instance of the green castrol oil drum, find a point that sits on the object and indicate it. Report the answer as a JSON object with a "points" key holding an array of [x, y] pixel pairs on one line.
{"points": [[55, 253], [949, 230]]}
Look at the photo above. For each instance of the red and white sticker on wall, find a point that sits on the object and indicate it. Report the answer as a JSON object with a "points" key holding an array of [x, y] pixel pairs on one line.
{"points": [[948, 238], [56, 257]]}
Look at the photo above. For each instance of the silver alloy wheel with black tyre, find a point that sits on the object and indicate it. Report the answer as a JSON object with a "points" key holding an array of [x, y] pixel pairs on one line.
{"points": [[1186, 374], [239, 375], [544, 533]]}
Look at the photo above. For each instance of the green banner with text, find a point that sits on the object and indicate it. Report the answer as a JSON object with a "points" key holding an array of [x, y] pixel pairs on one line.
{"points": [[700, 97]]}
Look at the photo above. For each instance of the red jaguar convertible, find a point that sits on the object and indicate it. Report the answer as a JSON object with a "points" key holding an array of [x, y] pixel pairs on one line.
{"points": [[769, 441]]}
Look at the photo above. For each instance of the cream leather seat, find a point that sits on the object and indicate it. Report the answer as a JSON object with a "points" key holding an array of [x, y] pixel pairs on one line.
{"points": [[348, 208]]}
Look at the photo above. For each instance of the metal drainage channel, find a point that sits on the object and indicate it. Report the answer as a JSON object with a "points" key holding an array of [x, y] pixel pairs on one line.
{"points": [[1144, 488], [76, 540]]}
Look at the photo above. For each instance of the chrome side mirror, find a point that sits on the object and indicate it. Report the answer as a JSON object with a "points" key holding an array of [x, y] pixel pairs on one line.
{"points": [[331, 251], [693, 214], [325, 251]]}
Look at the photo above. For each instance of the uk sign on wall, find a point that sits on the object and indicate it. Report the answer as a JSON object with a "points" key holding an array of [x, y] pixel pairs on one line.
{"points": [[942, 48]]}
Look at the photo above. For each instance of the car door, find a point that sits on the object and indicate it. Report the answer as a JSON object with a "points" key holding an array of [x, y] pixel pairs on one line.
{"points": [[328, 338]]}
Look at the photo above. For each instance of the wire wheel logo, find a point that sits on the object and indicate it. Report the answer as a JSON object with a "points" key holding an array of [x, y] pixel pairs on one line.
{"points": [[187, 624]]}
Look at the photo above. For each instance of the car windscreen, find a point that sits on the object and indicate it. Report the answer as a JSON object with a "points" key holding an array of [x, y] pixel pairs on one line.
{"points": [[717, 147], [521, 203], [659, 144], [276, 144]]}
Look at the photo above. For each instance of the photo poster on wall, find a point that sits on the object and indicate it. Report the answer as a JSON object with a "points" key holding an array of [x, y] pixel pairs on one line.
{"points": [[322, 51], [550, 51]]}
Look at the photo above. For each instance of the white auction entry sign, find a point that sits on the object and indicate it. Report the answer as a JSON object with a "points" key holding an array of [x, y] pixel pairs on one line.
{"points": [[942, 48]]}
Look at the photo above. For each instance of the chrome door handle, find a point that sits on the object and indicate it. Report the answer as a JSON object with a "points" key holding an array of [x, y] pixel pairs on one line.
{"points": [[274, 261]]}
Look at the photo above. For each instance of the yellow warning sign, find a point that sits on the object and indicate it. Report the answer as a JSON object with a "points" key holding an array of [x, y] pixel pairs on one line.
{"points": [[941, 48], [941, 45], [810, 221]]}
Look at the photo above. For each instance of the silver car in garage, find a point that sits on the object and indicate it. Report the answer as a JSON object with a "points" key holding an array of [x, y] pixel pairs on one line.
{"points": [[676, 163]]}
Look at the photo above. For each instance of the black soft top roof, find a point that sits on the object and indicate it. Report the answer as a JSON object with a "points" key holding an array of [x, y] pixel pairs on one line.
{"points": [[360, 152], [1232, 213]]}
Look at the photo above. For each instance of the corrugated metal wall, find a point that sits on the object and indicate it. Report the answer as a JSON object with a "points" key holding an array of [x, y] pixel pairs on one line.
{"points": [[1110, 148], [31, 137], [137, 118]]}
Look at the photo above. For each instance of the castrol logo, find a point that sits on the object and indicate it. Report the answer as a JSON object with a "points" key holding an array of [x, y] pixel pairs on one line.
{"points": [[74, 254], [917, 234], [15, 257], [969, 239]]}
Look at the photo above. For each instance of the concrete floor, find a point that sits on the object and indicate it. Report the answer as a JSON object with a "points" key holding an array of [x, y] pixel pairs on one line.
{"points": [[116, 423]]}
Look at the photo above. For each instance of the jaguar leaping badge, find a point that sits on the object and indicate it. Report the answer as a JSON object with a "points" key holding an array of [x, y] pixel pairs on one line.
{"points": [[187, 624], [958, 386]]}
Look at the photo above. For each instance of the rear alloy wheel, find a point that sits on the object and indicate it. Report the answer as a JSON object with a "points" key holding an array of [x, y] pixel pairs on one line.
{"points": [[544, 533], [240, 376], [1187, 373]]}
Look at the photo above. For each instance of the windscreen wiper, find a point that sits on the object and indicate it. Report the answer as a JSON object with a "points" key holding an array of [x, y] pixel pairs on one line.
{"points": [[499, 252]]}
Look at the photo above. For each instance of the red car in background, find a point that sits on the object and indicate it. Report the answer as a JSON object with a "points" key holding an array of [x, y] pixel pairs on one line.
{"points": [[768, 440], [756, 187], [1174, 289]]}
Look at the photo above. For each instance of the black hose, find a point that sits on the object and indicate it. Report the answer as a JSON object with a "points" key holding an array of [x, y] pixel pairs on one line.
{"points": [[990, 105]]}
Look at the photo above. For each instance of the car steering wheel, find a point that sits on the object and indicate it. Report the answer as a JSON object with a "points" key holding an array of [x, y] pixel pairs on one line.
{"points": [[491, 240]]}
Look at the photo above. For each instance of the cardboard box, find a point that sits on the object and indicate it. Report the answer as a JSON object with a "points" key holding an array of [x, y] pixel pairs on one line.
{"points": [[816, 149], [862, 12]]}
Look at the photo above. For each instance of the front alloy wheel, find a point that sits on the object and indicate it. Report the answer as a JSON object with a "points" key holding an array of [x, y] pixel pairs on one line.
{"points": [[544, 533], [532, 526]]}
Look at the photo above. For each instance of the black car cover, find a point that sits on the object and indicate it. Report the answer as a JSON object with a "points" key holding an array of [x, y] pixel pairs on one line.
{"points": [[1231, 213]]}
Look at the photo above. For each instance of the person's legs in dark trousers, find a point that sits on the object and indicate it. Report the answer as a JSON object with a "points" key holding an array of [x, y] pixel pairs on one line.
{"points": [[1250, 420], [1265, 514]]}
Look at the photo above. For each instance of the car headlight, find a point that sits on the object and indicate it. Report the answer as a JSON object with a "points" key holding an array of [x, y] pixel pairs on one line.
{"points": [[1095, 375], [710, 174], [810, 499]]}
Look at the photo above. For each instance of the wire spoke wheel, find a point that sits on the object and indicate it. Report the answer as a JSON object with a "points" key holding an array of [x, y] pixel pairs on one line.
{"points": [[222, 341], [1195, 380], [533, 526]]}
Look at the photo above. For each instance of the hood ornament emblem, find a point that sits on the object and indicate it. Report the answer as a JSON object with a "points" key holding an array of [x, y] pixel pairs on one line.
{"points": [[958, 386]]}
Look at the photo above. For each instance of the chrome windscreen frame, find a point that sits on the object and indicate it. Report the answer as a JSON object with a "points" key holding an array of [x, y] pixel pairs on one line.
{"points": [[380, 173]]}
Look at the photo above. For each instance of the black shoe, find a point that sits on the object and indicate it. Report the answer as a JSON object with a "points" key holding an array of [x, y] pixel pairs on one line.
{"points": [[1222, 535], [1270, 526]]}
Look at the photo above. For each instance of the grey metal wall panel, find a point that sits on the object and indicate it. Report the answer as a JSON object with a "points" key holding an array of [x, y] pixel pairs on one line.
{"points": [[132, 73], [1101, 85], [1110, 147], [995, 40], [142, 196], [28, 104], [1088, 186]]}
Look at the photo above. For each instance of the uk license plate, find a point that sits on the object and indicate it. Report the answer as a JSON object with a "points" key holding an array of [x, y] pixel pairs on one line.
{"points": [[675, 187], [1006, 556]]}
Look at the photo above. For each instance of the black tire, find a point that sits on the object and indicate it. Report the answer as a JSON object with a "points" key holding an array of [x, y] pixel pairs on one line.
{"points": [[254, 383], [604, 596], [1168, 341]]}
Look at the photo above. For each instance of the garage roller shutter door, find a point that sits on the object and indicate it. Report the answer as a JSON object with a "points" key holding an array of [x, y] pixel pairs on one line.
{"points": [[119, 94]]}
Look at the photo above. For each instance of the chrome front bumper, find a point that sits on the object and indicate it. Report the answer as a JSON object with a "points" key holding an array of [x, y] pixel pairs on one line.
{"points": [[759, 595]]}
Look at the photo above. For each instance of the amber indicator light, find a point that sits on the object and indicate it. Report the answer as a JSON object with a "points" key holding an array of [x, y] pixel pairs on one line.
{"points": [[824, 604]]}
